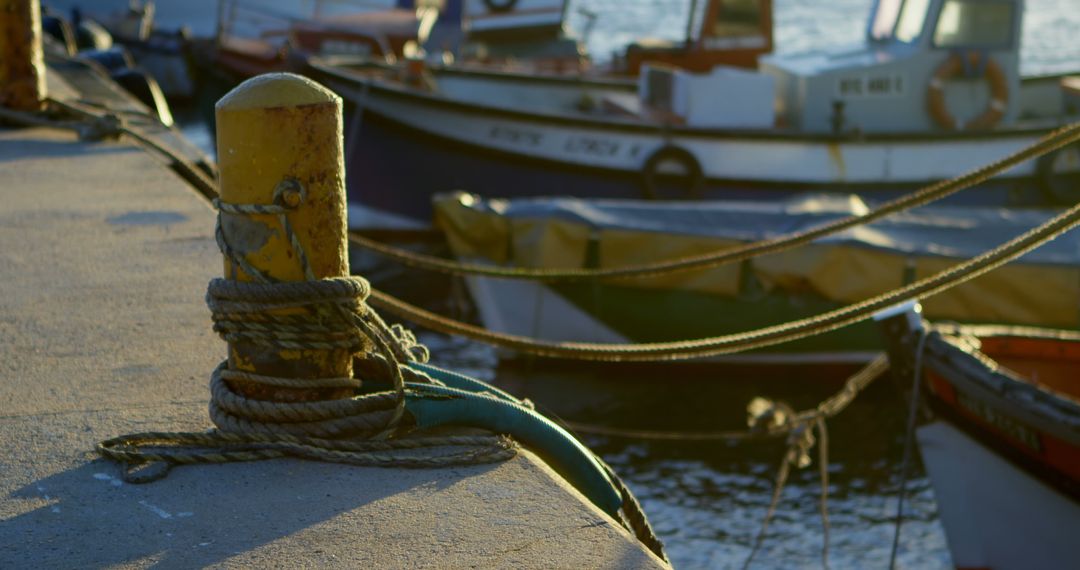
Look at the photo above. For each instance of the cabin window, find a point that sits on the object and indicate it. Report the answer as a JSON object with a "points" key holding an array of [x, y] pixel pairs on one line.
{"points": [[910, 23], [968, 23], [883, 20], [737, 18]]}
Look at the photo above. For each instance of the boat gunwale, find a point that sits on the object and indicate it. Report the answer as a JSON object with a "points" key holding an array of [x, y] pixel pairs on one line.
{"points": [[863, 188], [373, 84], [966, 369], [954, 356]]}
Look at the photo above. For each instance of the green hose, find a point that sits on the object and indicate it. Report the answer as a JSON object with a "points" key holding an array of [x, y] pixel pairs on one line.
{"points": [[466, 401]]}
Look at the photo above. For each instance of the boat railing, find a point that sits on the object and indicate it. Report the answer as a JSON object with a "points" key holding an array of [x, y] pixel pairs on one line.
{"points": [[245, 22]]}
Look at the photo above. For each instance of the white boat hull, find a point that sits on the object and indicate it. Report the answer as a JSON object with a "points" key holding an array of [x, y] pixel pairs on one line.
{"points": [[995, 514], [750, 158], [530, 309], [499, 137]]}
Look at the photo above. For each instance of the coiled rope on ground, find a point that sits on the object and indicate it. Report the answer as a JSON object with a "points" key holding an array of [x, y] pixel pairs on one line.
{"points": [[255, 430], [322, 314], [1048, 143], [252, 430]]}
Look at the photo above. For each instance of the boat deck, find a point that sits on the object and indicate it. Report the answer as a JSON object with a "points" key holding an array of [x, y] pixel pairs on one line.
{"points": [[104, 260]]}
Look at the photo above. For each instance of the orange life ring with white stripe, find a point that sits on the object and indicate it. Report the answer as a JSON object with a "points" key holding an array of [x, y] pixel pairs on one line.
{"points": [[999, 93]]}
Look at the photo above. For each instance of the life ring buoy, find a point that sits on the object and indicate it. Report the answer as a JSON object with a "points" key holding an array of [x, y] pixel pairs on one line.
{"points": [[1060, 183], [999, 93], [650, 172], [500, 5]]}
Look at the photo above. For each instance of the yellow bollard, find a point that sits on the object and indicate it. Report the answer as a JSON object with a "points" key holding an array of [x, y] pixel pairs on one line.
{"points": [[22, 65], [274, 128]]}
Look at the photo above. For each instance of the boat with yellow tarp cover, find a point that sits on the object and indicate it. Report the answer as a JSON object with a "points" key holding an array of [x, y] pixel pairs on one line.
{"points": [[1039, 289]]}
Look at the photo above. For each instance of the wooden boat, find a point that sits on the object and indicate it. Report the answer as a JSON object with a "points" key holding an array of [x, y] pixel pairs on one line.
{"points": [[892, 114], [163, 53], [729, 32], [1002, 444], [252, 39], [530, 36], [92, 44], [832, 272], [127, 39]]}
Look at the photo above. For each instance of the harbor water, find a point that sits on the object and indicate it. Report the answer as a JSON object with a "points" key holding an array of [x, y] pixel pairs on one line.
{"points": [[708, 499]]}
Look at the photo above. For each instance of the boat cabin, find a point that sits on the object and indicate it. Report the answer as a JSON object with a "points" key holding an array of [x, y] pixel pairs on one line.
{"points": [[924, 65], [256, 38], [722, 32], [508, 33], [494, 18]]}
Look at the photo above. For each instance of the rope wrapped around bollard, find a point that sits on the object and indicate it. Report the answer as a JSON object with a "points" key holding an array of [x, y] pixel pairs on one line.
{"points": [[361, 430]]}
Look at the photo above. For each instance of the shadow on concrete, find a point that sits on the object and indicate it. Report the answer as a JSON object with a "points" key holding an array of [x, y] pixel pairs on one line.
{"points": [[87, 517], [57, 147]]}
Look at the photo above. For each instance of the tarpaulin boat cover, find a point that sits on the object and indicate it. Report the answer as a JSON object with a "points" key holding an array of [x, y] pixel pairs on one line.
{"points": [[1041, 288]]}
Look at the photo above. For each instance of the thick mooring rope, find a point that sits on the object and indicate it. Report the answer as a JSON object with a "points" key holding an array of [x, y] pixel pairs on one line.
{"points": [[760, 429], [770, 420], [743, 341], [359, 430], [932, 193], [149, 456], [909, 437], [108, 123], [317, 314]]}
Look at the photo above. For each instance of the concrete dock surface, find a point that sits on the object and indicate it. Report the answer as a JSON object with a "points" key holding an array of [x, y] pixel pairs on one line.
{"points": [[104, 260]]}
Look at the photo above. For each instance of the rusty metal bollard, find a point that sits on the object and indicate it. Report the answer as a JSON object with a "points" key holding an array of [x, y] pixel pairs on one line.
{"points": [[278, 129], [22, 65]]}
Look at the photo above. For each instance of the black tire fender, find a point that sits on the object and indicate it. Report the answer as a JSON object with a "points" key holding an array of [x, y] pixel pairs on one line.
{"points": [[500, 5], [650, 172]]}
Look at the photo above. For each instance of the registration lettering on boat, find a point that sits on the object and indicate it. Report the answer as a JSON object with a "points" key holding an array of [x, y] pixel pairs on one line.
{"points": [[891, 85], [1003, 423], [515, 136], [592, 146]]}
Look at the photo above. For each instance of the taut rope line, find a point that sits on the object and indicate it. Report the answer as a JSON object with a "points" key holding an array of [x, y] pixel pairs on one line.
{"points": [[758, 338], [827, 409], [1048, 143]]}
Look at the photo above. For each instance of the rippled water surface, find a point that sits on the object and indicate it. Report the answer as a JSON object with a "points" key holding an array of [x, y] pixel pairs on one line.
{"points": [[707, 500]]}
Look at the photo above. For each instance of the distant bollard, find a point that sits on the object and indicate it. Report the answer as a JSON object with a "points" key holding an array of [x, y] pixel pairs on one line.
{"points": [[22, 66], [279, 140]]}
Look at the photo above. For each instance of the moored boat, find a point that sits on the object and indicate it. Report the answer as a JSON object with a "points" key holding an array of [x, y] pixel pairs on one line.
{"points": [[254, 38], [831, 272], [1002, 440], [724, 32], [127, 39], [163, 53], [929, 95]]}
